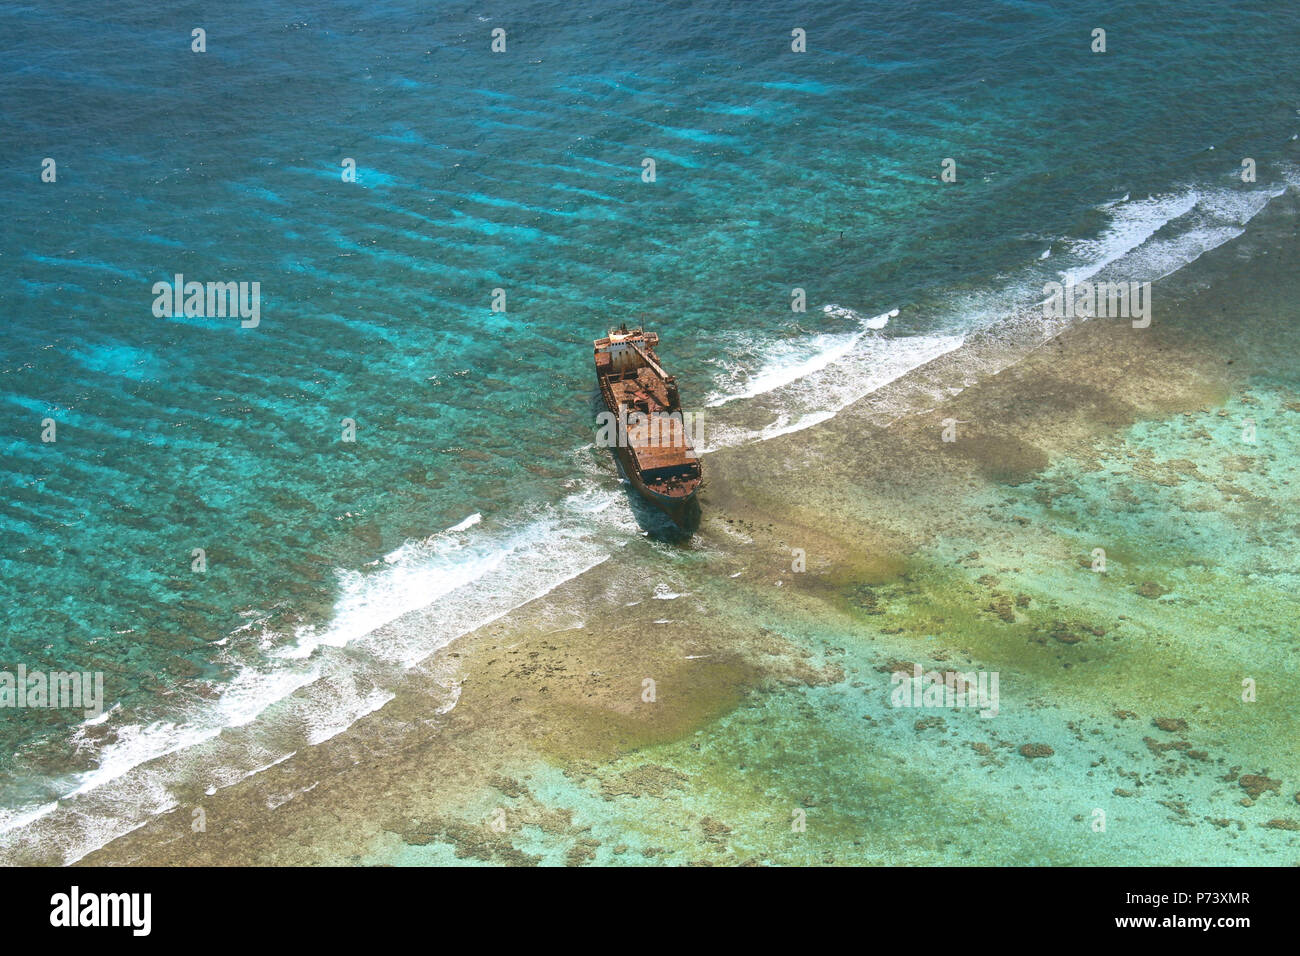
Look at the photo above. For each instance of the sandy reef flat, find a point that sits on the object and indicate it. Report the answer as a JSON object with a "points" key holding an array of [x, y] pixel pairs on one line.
{"points": [[771, 738]]}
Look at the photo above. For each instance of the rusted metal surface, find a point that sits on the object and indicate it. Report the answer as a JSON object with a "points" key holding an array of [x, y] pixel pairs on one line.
{"points": [[654, 447]]}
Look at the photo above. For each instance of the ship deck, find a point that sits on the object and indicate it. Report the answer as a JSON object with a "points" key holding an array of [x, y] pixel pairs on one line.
{"points": [[660, 440]]}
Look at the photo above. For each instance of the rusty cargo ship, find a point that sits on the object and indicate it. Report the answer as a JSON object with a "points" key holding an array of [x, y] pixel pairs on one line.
{"points": [[647, 429]]}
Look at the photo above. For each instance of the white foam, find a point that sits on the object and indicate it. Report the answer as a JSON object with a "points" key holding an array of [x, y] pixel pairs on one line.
{"points": [[880, 321], [468, 523], [419, 573], [1133, 222], [788, 362], [251, 773], [135, 744], [18, 817], [454, 691], [815, 390], [1200, 219], [92, 721], [782, 425], [276, 802], [329, 724]]}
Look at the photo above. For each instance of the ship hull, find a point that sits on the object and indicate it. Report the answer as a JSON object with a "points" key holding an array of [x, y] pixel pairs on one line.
{"points": [[652, 445], [681, 510]]}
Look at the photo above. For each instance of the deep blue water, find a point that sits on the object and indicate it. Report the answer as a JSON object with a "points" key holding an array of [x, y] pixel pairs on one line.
{"points": [[521, 171]]}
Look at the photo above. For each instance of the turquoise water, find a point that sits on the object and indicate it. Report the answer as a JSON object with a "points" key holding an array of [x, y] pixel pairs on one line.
{"points": [[471, 485]]}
